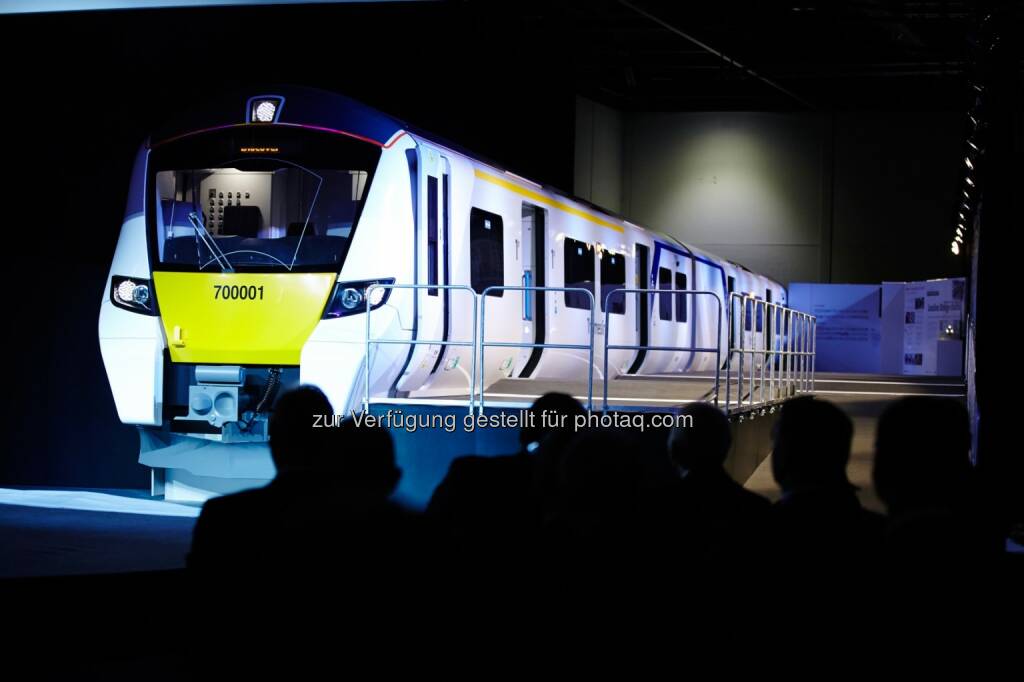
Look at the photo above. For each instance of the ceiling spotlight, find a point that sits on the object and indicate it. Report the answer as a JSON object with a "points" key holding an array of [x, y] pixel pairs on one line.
{"points": [[974, 121], [961, 216], [955, 248], [966, 195], [973, 146], [959, 230], [959, 239], [969, 181], [964, 205], [967, 160]]}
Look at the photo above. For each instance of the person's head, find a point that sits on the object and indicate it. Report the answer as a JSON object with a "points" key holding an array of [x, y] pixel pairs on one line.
{"points": [[702, 438], [550, 413], [363, 459], [811, 445], [921, 454], [296, 443]]}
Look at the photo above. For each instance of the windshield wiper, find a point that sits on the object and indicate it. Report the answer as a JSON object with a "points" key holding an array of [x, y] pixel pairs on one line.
{"points": [[210, 242]]}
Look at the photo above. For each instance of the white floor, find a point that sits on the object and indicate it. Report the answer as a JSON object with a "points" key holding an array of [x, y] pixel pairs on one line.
{"points": [[85, 500]]}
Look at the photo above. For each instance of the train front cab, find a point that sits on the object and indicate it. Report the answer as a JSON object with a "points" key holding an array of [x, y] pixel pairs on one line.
{"points": [[238, 273]]}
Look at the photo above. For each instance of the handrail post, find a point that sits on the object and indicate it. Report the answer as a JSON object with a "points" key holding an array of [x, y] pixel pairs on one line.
{"points": [[743, 342], [728, 351], [718, 349], [814, 348], [771, 353], [476, 339], [764, 349], [604, 376], [590, 364], [366, 354], [482, 345], [804, 365], [753, 347]]}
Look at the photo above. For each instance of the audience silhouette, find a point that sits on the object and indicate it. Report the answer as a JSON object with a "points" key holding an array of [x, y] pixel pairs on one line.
{"points": [[491, 504], [704, 513], [326, 509], [597, 498], [595, 522], [924, 477], [819, 516]]}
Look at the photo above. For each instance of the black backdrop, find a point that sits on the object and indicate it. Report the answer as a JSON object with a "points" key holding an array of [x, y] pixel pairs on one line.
{"points": [[82, 90]]}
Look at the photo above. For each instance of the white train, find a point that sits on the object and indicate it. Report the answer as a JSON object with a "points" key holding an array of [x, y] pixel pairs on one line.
{"points": [[251, 235]]}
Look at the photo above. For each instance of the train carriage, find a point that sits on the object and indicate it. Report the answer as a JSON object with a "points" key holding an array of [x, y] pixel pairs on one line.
{"points": [[252, 235]]}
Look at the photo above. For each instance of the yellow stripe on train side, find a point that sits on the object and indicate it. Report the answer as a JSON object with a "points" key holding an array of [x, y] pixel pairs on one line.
{"points": [[543, 199], [240, 318]]}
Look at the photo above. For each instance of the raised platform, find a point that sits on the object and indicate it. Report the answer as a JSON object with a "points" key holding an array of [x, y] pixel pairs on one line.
{"points": [[649, 393], [834, 384]]}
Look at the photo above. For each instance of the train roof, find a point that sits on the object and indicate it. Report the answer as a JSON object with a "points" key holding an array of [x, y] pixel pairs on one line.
{"points": [[329, 111], [325, 110], [301, 106]]}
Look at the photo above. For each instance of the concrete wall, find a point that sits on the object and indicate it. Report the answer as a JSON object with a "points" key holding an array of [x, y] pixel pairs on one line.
{"points": [[599, 154], [811, 197]]}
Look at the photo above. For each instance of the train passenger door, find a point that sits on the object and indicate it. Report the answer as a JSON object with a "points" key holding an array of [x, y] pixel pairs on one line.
{"points": [[641, 280], [704, 314], [684, 310], [534, 312], [433, 267]]}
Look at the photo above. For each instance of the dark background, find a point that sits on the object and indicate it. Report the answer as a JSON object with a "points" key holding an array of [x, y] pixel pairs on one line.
{"points": [[82, 90]]}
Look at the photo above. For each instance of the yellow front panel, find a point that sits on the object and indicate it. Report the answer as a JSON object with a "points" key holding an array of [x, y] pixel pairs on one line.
{"points": [[238, 318]]}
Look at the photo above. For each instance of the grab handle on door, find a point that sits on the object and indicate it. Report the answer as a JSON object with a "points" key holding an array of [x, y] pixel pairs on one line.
{"points": [[527, 296]]}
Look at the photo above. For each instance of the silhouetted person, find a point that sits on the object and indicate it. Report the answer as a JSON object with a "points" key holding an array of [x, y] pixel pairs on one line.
{"points": [[704, 509], [487, 503], [596, 524], [924, 476], [326, 510], [819, 515]]}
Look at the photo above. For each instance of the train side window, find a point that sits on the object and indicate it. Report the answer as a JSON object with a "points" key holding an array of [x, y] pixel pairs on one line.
{"points": [[486, 251], [613, 276], [665, 299], [748, 309], [681, 300], [732, 286], [579, 272], [432, 234]]}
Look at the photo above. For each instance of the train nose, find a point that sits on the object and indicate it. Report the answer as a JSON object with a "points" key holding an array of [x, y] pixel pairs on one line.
{"points": [[240, 318]]}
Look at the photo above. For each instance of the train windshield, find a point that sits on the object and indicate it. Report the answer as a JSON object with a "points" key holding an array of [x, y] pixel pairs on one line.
{"points": [[257, 199]]}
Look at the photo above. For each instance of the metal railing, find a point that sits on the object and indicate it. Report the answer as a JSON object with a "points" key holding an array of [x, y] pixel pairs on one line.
{"points": [[783, 343], [717, 350], [781, 352], [484, 343], [472, 344]]}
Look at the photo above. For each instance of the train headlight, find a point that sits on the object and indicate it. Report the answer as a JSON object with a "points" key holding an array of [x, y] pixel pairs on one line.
{"points": [[349, 298], [140, 294], [132, 294], [264, 109], [125, 291]]}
